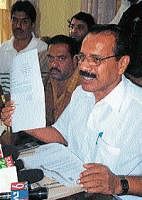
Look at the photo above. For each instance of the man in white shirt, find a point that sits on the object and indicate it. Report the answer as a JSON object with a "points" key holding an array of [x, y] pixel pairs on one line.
{"points": [[23, 17], [103, 122]]}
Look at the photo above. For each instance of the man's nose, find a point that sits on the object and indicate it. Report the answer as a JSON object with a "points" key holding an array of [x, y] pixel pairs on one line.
{"points": [[55, 62], [84, 65], [74, 30], [19, 24]]}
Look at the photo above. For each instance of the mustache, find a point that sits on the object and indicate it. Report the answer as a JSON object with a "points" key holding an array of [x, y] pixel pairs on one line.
{"points": [[87, 74], [54, 69], [18, 29]]}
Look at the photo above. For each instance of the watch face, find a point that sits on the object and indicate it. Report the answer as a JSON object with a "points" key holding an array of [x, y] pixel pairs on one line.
{"points": [[124, 185]]}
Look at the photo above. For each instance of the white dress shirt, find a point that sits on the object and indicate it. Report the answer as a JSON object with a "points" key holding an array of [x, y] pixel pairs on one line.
{"points": [[8, 52], [108, 132]]}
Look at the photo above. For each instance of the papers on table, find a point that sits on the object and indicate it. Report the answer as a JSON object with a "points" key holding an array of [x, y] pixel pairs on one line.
{"points": [[27, 92], [57, 162]]}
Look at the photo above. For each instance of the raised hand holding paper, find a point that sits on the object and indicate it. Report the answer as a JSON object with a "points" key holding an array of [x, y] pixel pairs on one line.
{"points": [[27, 92]]}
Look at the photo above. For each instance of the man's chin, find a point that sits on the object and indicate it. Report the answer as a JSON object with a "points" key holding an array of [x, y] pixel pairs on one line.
{"points": [[19, 36], [77, 38], [55, 77], [87, 88]]}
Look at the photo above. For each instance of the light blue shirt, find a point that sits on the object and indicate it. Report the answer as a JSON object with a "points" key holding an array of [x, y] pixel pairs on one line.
{"points": [[108, 132]]}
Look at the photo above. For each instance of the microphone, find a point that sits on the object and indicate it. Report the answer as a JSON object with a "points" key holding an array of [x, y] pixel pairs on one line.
{"points": [[10, 150], [30, 175], [34, 194]]}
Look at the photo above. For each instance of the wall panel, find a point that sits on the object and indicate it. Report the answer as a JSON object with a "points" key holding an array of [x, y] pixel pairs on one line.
{"points": [[54, 15]]}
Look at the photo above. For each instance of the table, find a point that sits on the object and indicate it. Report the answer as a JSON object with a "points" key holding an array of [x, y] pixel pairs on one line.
{"points": [[58, 191]]}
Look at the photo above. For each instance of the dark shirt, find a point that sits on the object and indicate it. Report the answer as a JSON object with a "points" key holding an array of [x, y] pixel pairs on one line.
{"points": [[131, 23], [131, 19]]}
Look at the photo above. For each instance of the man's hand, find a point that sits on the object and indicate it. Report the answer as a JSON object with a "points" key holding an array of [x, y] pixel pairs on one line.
{"points": [[98, 178], [7, 111]]}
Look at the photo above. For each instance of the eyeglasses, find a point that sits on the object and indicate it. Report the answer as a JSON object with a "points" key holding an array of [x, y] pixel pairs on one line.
{"points": [[92, 59], [52, 59], [79, 26]]}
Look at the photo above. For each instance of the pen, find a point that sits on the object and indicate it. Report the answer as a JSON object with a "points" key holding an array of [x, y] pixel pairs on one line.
{"points": [[99, 136]]}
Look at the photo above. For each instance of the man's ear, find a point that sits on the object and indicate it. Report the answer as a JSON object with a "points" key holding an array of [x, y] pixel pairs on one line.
{"points": [[123, 63], [33, 27]]}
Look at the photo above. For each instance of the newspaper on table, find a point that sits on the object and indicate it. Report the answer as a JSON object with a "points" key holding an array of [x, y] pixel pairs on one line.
{"points": [[57, 162]]}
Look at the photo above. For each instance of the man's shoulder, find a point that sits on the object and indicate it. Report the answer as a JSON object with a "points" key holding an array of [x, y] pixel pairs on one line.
{"points": [[134, 91], [79, 95], [79, 91], [5, 44], [41, 45]]}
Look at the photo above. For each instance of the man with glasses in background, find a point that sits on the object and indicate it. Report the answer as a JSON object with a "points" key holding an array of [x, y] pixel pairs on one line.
{"points": [[103, 122], [62, 77], [79, 25]]}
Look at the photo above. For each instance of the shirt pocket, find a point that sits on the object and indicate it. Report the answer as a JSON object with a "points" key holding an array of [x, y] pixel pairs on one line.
{"points": [[107, 154]]}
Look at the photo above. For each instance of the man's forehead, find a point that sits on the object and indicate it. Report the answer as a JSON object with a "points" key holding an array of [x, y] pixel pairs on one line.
{"points": [[20, 14], [98, 40], [78, 22], [59, 47], [97, 37]]}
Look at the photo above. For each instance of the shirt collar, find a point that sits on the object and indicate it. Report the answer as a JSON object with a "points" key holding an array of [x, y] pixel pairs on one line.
{"points": [[116, 97], [10, 44], [138, 1]]}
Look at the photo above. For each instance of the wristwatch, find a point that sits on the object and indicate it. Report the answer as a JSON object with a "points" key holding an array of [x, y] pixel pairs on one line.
{"points": [[124, 185]]}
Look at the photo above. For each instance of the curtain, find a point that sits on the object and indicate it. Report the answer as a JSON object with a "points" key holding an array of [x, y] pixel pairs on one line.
{"points": [[103, 11], [124, 5], [5, 26]]}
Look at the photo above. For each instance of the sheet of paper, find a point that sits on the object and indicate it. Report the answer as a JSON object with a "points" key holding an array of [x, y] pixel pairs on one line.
{"points": [[27, 92], [57, 162]]}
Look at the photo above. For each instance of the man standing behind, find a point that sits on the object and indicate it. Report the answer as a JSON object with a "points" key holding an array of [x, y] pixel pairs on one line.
{"points": [[79, 25], [63, 76], [23, 17]]}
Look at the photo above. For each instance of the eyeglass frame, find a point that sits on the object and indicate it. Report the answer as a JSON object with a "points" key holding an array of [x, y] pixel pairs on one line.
{"points": [[98, 59], [60, 58], [80, 27]]}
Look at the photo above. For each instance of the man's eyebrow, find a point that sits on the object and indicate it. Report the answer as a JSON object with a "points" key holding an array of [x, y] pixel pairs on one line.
{"points": [[20, 17]]}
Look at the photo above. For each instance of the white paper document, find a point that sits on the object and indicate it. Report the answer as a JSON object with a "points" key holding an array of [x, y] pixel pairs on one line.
{"points": [[57, 162], [27, 92]]}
